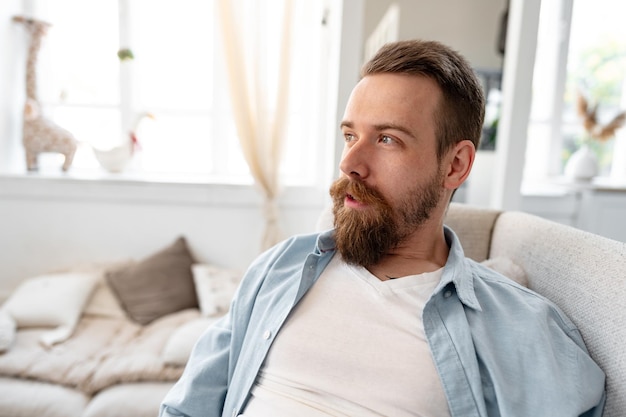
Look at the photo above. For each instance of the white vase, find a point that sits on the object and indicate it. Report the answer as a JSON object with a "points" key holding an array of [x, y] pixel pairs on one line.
{"points": [[582, 164]]}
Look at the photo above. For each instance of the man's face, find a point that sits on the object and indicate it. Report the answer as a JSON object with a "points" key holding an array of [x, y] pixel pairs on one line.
{"points": [[390, 177]]}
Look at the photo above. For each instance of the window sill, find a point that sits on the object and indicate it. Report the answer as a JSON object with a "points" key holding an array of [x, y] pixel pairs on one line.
{"points": [[141, 188], [561, 186]]}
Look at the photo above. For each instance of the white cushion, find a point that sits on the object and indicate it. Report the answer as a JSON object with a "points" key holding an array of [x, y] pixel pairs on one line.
{"points": [[180, 343], [103, 302], [215, 287], [54, 300], [508, 268], [7, 331]]}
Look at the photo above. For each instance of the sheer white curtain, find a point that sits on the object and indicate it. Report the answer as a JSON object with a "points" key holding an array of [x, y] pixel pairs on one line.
{"points": [[257, 50]]}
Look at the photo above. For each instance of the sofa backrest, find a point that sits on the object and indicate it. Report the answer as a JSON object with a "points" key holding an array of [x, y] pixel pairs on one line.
{"points": [[473, 226], [585, 275]]}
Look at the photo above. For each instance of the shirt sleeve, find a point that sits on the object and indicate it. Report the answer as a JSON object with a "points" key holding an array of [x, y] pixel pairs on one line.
{"points": [[201, 389]]}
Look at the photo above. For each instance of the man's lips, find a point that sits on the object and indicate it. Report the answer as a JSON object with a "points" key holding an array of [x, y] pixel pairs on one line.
{"points": [[355, 195], [351, 201]]}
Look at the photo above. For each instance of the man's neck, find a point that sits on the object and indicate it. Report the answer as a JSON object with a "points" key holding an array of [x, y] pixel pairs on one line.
{"points": [[423, 251]]}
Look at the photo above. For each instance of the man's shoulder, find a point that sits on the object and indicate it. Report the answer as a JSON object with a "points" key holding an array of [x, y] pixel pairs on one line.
{"points": [[504, 289], [517, 331]]}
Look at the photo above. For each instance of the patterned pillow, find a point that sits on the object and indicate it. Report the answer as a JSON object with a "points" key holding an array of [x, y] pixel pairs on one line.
{"points": [[215, 287]]}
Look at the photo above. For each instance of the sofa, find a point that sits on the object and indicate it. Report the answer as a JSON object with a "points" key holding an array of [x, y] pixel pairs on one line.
{"points": [[98, 340], [128, 339]]}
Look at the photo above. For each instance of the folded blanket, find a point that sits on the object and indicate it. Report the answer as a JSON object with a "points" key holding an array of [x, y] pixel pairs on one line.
{"points": [[103, 351]]}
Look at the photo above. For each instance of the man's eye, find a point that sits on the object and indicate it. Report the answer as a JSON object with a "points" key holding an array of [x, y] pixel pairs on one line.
{"points": [[349, 137], [386, 139]]}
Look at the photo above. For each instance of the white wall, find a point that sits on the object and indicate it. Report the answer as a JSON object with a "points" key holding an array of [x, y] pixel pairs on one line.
{"points": [[48, 224], [471, 27]]}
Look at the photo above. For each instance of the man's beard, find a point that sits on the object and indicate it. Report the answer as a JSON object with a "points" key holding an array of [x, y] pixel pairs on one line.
{"points": [[363, 237]]}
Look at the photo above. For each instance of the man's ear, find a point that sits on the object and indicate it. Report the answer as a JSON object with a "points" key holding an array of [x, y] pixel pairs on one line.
{"points": [[459, 161]]}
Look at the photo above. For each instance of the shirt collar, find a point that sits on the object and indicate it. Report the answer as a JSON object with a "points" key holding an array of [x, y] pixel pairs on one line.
{"points": [[326, 241], [456, 270]]}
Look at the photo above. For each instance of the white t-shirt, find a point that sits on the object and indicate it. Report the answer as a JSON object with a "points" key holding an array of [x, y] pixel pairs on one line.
{"points": [[354, 346]]}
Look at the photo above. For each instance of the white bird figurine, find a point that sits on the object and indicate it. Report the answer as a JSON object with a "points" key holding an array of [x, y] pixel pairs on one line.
{"points": [[117, 158]]}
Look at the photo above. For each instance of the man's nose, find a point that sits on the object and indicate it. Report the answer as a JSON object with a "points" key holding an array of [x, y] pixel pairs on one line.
{"points": [[356, 159]]}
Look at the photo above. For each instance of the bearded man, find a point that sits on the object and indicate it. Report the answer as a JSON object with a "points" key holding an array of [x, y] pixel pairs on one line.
{"points": [[384, 315]]}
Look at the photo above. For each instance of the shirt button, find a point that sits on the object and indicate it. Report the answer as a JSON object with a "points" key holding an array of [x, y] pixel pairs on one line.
{"points": [[266, 334], [447, 294]]}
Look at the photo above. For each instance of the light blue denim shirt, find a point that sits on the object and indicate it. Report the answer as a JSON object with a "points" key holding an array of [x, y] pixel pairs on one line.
{"points": [[500, 349]]}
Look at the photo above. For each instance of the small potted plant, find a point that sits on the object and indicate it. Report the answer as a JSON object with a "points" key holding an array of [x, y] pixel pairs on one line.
{"points": [[583, 164]]}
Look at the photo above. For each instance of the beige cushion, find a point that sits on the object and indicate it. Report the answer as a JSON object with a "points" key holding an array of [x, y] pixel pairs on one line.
{"points": [[473, 226], [103, 302], [54, 300], [158, 285], [136, 399], [180, 343], [32, 398]]}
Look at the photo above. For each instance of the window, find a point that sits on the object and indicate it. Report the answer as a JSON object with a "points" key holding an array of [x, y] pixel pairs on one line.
{"points": [[173, 92], [581, 46]]}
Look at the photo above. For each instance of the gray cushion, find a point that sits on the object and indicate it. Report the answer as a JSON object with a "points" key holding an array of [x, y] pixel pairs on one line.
{"points": [[158, 285]]}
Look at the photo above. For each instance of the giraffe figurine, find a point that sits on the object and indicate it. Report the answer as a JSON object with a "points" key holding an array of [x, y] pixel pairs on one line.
{"points": [[40, 134]]}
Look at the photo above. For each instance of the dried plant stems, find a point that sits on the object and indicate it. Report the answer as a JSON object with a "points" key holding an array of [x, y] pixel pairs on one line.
{"points": [[589, 115]]}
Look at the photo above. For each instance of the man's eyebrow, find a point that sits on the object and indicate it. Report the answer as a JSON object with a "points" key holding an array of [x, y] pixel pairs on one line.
{"points": [[393, 126], [381, 127]]}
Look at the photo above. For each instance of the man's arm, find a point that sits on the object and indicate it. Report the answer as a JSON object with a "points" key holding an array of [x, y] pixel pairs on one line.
{"points": [[201, 390]]}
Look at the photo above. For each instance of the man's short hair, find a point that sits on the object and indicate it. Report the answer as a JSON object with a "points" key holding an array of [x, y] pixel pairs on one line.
{"points": [[461, 114]]}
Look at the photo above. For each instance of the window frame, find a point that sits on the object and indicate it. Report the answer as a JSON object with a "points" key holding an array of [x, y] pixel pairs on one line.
{"points": [[556, 46], [553, 46], [325, 148]]}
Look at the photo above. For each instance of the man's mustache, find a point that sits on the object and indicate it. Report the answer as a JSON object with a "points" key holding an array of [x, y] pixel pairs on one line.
{"points": [[358, 190]]}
